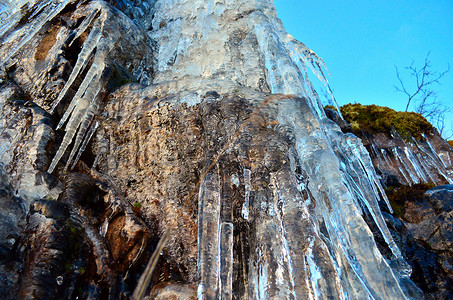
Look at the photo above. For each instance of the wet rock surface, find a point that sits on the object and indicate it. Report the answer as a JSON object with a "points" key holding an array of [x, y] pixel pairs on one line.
{"points": [[12, 222], [424, 234], [26, 144]]}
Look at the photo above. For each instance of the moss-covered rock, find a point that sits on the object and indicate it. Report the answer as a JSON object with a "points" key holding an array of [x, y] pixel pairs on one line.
{"points": [[380, 119], [400, 195]]}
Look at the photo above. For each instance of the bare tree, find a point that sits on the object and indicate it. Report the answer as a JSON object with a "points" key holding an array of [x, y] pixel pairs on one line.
{"points": [[423, 94], [425, 78]]}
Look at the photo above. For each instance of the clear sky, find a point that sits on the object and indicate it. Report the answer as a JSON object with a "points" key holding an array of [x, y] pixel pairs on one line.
{"points": [[362, 41]]}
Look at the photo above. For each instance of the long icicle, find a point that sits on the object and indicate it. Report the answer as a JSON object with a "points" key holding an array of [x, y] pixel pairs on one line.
{"points": [[82, 60], [75, 121], [89, 115], [87, 139], [83, 27], [92, 75]]}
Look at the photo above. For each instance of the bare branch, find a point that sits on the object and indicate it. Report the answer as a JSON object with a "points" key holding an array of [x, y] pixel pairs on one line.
{"points": [[423, 93]]}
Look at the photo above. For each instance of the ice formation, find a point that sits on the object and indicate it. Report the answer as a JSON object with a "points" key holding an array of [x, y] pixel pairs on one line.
{"points": [[311, 238]]}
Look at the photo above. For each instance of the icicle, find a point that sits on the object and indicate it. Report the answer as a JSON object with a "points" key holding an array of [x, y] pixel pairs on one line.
{"points": [[38, 8], [82, 60], [413, 178], [91, 111], [436, 161], [93, 75], [8, 22], [283, 74], [77, 117], [384, 154], [407, 179], [418, 170], [226, 261], [87, 139], [208, 238], [347, 230], [368, 167], [286, 60], [247, 186], [86, 22]]}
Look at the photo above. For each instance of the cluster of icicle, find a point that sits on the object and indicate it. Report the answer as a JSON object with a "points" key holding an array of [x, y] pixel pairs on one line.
{"points": [[416, 161], [78, 117], [287, 59], [83, 107]]}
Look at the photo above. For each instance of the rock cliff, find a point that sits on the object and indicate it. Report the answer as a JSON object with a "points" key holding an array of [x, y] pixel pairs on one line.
{"points": [[186, 129]]}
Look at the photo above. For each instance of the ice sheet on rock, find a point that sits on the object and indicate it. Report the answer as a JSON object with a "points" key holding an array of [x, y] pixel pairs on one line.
{"points": [[291, 256], [229, 40], [347, 230]]}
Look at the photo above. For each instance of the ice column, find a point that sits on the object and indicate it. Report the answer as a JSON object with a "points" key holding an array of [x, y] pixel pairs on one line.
{"points": [[208, 237], [226, 261]]}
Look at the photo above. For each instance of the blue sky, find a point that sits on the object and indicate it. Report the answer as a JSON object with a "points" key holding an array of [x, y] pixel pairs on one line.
{"points": [[362, 41]]}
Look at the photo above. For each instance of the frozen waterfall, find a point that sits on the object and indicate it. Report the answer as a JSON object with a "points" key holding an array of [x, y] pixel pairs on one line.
{"points": [[309, 229]]}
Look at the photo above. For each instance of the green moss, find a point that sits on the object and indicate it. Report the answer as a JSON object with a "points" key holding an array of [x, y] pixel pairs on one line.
{"points": [[117, 77], [380, 119], [68, 267], [25, 18], [330, 106], [137, 207], [398, 208], [398, 196]]}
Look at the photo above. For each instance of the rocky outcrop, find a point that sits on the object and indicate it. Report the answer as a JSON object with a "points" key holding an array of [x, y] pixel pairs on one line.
{"points": [[430, 223], [428, 160], [425, 158], [27, 136], [422, 223], [12, 222], [423, 231]]}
